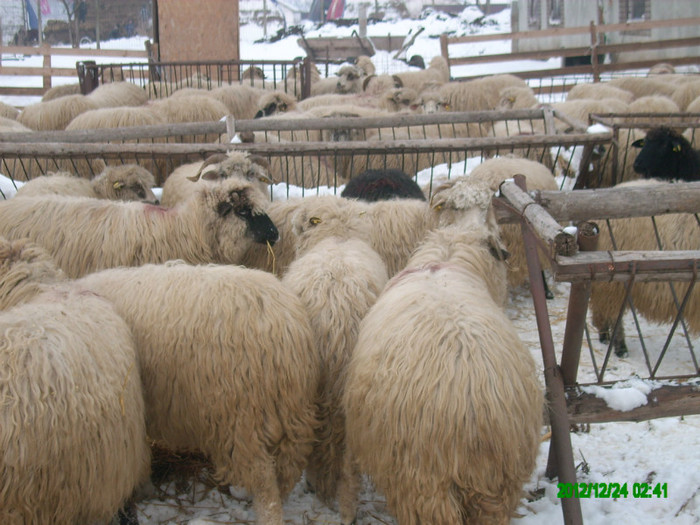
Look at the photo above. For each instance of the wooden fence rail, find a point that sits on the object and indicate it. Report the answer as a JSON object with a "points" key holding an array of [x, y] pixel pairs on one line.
{"points": [[48, 68], [598, 35]]}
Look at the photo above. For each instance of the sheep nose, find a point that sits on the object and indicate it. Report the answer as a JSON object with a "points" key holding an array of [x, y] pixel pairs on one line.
{"points": [[262, 229]]}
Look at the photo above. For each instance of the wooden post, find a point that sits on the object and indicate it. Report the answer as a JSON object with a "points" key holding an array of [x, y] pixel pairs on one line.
{"points": [[594, 52], [46, 51], [97, 23], [363, 20], [40, 28]]}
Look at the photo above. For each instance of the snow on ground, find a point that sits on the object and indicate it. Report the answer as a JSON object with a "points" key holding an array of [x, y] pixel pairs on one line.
{"points": [[665, 451]]}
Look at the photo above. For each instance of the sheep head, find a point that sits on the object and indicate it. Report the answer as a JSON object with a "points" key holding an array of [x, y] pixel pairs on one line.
{"points": [[463, 201], [349, 80], [666, 154], [234, 213], [400, 99], [129, 182], [275, 102], [432, 102], [221, 166]]}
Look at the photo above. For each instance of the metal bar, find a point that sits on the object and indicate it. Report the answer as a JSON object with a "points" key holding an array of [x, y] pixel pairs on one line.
{"points": [[571, 507]]}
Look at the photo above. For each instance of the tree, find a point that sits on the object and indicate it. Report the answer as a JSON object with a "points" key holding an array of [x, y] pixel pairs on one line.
{"points": [[76, 12]]}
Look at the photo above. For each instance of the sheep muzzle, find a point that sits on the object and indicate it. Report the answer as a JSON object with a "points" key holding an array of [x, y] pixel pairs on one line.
{"points": [[262, 229]]}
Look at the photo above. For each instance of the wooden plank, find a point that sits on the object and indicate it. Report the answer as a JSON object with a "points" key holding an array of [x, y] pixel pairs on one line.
{"points": [[31, 91], [664, 401], [70, 51], [620, 265], [38, 71], [615, 203]]}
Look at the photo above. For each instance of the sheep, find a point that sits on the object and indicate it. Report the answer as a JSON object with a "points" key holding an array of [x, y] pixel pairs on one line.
{"points": [[73, 441], [337, 280], [399, 100], [112, 118], [685, 94], [9, 112], [335, 99], [11, 125], [25, 268], [644, 86], [193, 108], [432, 102], [128, 182], [537, 177], [653, 300], [652, 104], [365, 64], [217, 225], [375, 85], [598, 91], [324, 86], [481, 94], [229, 367], [55, 114], [349, 80], [580, 109], [694, 106], [444, 411], [240, 100], [517, 97], [393, 228], [667, 155], [662, 68], [60, 91], [374, 185], [275, 102], [437, 74], [179, 184], [117, 94]]}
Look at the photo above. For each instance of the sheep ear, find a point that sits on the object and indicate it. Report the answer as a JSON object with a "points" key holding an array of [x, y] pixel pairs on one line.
{"points": [[367, 81], [260, 161], [214, 159], [638, 143], [398, 83], [677, 147]]}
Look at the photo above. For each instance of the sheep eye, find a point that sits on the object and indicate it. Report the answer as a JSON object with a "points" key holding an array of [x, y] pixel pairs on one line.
{"points": [[315, 220], [352, 77], [677, 148], [283, 107], [118, 185], [438, 207]]}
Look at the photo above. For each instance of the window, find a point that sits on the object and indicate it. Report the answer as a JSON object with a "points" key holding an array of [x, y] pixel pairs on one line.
{"points": [[636, 11], [533, 14], [555, 10]]}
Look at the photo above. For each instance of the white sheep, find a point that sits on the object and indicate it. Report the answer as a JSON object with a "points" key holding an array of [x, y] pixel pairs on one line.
{"points": [[8, 111], [337, 279], [444, 411], [191, 108], [653, 300], [599, 90], [54, 114], [73, 441], [685, 94], [644, 86], [179, 185], [517, 97], [349, 80], [240, 100], [481, 94], [128, 182], [60, 91], [217, 225], [392, 228], [229, 368], [432, 101], [537, 177], [336, 99], [436, 74], [115, 94], [274, 102], [399, 100]]}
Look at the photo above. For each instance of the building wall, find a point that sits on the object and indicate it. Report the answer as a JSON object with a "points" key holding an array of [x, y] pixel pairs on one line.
{"points": [[199, 31]]}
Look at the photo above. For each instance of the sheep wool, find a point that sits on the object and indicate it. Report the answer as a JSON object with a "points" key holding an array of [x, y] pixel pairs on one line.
{"points": [[128, 182], [217, 225], [229, 368], [444, 410], [653, 300], [337, 280], [55, 114]]}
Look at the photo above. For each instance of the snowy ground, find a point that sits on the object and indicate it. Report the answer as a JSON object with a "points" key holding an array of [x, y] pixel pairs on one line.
{"points": [[663, 451]]}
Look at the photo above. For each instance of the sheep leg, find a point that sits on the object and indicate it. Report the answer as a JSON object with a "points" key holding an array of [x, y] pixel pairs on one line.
{"points": [[348, 489], [267, 501], [547, 292], [127, 515], [618, 338]]}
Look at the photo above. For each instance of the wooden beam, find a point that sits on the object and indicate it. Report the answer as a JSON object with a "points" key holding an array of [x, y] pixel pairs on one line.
{"points": [[665, 401]]}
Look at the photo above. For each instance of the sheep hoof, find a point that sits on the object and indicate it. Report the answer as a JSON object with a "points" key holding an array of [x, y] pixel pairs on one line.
{"points": [[621, 350], [604, 336], [548, 294], [127, 515]]}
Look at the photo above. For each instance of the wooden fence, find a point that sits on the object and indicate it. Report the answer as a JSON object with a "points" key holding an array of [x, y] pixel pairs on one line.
{"points": [[597, 49], [48, 68]]}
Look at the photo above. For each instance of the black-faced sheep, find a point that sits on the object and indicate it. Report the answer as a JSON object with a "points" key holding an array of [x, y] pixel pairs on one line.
{"points": [[217, 225], [667, 155], [442, 399], [375, 185], [275, 102], [179, 184], [653, 300], [229, 367], [128, 182], [337, 280], [73, 441]]}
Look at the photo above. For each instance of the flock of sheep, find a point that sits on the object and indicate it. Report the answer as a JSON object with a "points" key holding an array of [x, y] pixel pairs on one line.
{"points": [[325, 335]]}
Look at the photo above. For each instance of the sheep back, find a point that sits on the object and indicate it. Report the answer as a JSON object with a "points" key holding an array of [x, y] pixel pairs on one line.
{"points": [[54, 114], [229, 366], [72, 432]]}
